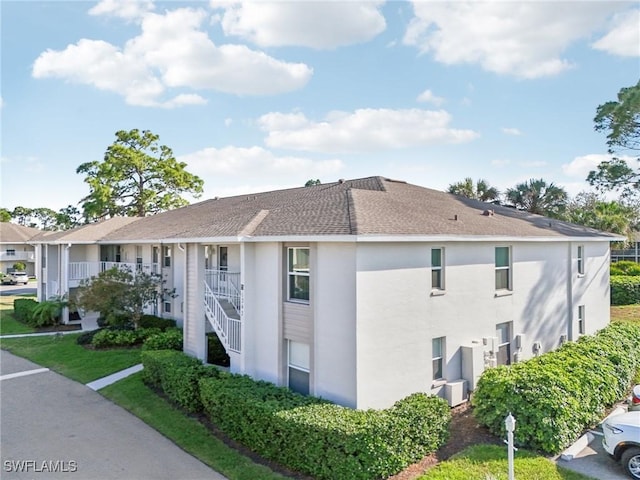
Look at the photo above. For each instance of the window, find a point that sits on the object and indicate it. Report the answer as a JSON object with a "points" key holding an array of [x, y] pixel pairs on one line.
{"points": [[298, 371], [11, 252], [298, 274], [503, 333], [437, 279], [580, 260], [139, 257], [437, 355], [166, 253], [167, 307], [503, 268], [581, 326]]}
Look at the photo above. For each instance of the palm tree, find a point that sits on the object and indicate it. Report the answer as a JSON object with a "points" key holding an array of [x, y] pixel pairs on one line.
{"points": [[478, 191], [535, 196]]}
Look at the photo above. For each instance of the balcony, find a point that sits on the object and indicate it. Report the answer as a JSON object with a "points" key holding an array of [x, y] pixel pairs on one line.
{"points": [[13, 256], [79, 271]]}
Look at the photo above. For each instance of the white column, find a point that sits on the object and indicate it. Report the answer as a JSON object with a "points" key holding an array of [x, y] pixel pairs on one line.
{"points": [[195, 341]]}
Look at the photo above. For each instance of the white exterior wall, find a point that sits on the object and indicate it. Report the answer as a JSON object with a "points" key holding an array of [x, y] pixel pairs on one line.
{"points": [[397, 316], [333, 366]]}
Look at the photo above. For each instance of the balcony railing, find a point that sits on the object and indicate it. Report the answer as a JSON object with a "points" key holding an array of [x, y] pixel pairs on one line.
{"points": [[8, 256], [85, 270], [225, 284]]}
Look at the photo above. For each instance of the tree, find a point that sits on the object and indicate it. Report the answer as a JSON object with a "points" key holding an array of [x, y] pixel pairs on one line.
{"points": [[478, 191], [19, 266], [588, 209], [119, 292], [535, 196], [621, 120], [68, 218], [45, 218], [311, 182], [5, 215], [137, 177], [22, 215]]}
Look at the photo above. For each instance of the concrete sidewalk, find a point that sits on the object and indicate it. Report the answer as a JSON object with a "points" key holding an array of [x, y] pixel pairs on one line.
{"points": [[52, 427]]}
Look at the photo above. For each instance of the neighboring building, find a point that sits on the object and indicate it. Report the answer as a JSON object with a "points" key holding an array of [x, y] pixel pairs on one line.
{"points": [[630, 251], [365, 291], [16, 246]]}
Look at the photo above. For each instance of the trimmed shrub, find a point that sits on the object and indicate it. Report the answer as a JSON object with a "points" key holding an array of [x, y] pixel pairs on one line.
{"points": [[152, 321], [625, 267], [216, 354], [625, 289], [170, 339], [556, 396], [85, 338], [23, 309], [121, 338], [313, 436], [177, 375]]}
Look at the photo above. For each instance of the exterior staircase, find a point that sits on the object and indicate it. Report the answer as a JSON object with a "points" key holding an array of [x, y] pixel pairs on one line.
{"points": [[224, 318]]}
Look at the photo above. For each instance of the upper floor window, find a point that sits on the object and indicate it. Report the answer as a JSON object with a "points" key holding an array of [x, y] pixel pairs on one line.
{"points": [[437, 277], [503, 268], [437, 356], [11, 252], [580, 260], [166, 254], [298, 274], [139, 257]]}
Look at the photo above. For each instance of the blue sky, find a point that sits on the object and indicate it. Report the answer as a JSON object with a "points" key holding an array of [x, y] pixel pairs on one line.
{"points": [[258, 96]]}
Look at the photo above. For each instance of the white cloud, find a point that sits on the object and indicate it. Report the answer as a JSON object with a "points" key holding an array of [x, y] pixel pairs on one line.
{"points": [[428, 97], [363, 130], [319, 25], [172, 52], [624, 38], [228, 122], [525, 39], [580, 167], [511, 131], [127, 9], [220, 167]]}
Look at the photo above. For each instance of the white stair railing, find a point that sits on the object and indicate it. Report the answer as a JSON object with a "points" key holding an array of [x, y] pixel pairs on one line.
{"points": [[228, 329]]}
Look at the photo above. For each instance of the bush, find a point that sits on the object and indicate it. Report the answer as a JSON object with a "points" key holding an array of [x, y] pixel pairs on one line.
{"points": [[86, 338], [151, 321], [121, 337], [216, 354], [321, 439], [625, 267], [23, 309], [556, 396], [168, 340], [625, 289], [177, 375]]}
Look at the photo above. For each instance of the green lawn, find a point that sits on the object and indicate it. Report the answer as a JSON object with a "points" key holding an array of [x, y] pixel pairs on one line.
{"points": [[8, 324], [489, 462], [63, 355], [186, 432]]}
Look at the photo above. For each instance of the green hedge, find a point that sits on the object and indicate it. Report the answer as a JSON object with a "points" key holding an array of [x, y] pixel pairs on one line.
{"points": [[315, 437], [170, 339], [216, 354], [109, 337], [556, 396], [152, 321], [23, 310], [177, 375], [625, 267], [625, 289]]}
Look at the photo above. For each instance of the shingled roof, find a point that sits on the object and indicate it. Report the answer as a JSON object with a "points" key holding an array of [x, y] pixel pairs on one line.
{"points": [[373, 206], [365, 207], [13, 233]]}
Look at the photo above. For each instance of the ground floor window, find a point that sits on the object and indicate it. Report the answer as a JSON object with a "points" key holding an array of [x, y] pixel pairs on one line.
{"points": [[437, 358], [503, 332], [298, 367], [581, 326], [167, 307]]}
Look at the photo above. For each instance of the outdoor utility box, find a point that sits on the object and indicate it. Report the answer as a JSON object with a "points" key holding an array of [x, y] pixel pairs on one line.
{"points": [[472, 363], [456, 392]]}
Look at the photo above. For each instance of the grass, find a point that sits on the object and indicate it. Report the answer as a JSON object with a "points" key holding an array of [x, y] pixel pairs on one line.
{"points": [[626, 313], [63, 355], [489, 462], [8, 324], [187, 432]]}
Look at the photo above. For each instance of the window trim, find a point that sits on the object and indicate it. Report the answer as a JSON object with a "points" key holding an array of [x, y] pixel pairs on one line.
{"points": [[299, 273], [166, 256], [581, 320], [438, 268], [508, 268], [296, 367], [439, 358], [580, 260]]}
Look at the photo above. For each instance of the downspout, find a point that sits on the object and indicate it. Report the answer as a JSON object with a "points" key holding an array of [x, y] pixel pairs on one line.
{"points": [[65, 310]]}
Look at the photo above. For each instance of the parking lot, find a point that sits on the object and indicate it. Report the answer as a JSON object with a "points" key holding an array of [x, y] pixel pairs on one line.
{"points": [[595, 462], [29, 289]]}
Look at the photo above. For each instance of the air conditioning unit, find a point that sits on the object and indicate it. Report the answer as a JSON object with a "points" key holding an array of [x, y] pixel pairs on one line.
{"points": [[456, 392], [491, 343], [472, 363], [563, 339]]}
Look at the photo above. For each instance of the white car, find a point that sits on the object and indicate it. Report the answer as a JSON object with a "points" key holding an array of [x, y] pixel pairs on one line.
{"points": [[14, 278], [622, 441]]}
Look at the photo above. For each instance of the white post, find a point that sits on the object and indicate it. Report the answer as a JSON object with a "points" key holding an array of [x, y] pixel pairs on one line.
{"points": [[510, 424]]}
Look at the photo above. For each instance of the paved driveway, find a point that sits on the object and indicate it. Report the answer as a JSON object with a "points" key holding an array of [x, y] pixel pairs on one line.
{"points": [[29, 288], [61, 429], [595, 462]]}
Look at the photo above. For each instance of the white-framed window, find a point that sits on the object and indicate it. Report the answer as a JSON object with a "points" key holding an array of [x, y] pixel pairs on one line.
{"points": [[298, 362], [437, 358], [580, 257], [581, 324], [139, 257], [167, 307], [298, 274], [503, 268], [437, 268], [166, 254], [11, 252]]}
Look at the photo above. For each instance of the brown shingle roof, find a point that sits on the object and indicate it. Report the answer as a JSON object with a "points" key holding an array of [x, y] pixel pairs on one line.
{"points": [[13, 233], [90, 232], [366, 206]]}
